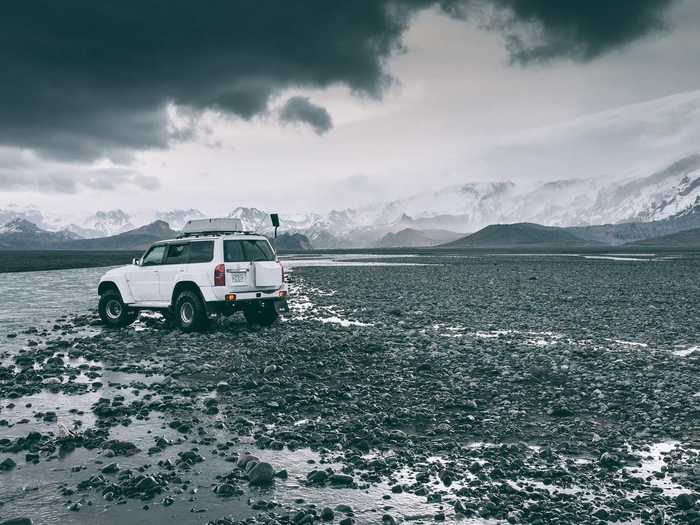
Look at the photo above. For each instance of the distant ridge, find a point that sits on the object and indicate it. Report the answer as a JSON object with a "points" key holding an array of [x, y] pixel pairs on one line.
{"points": [[413, 238], [683, 239], [518, 234]]}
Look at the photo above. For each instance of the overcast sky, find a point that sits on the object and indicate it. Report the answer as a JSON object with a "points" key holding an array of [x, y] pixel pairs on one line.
{"points": [[318, 105]]}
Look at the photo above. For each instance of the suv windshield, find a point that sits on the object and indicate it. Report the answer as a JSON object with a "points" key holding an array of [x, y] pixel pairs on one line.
{"points": [[248, 251]]}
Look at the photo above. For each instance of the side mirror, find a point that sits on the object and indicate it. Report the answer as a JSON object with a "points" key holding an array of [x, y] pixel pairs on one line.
{"points": [[136, 261]]}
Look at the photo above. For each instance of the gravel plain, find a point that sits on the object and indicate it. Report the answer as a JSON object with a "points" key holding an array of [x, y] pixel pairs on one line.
{"points": [[485, 389]]}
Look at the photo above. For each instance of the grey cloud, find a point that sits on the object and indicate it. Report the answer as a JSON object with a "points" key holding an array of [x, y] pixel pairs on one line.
{"points": [[298, 110], [35, 175], [86, 80]]}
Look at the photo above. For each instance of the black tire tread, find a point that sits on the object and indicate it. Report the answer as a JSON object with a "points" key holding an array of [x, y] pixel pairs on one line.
{"points": [[127, 317], [200, 313]]}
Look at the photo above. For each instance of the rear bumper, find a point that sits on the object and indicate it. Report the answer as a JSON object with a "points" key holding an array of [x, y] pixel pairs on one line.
{"points": [[218, 293], [229, 307]]}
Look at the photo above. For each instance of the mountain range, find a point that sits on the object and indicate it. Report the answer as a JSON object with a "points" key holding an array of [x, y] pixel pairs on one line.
{"points": [[607, 209]]}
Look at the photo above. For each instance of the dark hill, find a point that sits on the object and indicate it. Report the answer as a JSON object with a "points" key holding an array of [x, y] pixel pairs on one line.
{"points": [[519, 234], [291, 241], [138, 239]]}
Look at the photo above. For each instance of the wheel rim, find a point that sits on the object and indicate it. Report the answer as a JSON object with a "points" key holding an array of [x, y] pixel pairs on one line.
{"points": [[186, 313], [113, 309]]}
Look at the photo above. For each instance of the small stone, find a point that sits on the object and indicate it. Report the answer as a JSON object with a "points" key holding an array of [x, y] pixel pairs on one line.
{"points": [[327, 514], [111, 468]]}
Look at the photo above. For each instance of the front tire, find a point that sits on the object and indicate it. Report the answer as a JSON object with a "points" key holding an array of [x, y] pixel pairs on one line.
{"points": [[113, 311], [262, 313], [190, 313]]}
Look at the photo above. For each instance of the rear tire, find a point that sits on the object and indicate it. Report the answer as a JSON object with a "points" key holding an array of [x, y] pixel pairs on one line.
{"points": [[262, 313], [113, 311], [190, 314]]}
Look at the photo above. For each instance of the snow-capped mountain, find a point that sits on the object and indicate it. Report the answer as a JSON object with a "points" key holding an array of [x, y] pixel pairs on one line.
{"points": [[177, 218], [664, 195], [13, 211], [20, 233], [102, 224]]}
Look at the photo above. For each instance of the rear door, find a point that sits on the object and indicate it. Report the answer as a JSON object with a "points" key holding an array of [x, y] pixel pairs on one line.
{"points": [[143, 279], [267, 272]]}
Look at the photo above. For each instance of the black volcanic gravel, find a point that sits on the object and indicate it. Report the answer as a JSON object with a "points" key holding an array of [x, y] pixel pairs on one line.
{"points": [[522, 389]]}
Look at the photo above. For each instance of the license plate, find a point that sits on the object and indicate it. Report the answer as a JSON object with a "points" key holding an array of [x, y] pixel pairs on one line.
{"points": [[238, 277]]}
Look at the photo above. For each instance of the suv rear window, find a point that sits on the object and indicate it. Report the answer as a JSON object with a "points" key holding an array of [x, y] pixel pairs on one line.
{"points": [[201, 251], [248, 251]]}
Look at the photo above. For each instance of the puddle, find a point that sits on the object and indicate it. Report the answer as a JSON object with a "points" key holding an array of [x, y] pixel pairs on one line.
{"points": [[653, 463], [685, 352]]}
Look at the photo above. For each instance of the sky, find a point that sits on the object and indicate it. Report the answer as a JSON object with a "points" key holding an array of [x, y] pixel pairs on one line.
{"points": [[319, 105]]}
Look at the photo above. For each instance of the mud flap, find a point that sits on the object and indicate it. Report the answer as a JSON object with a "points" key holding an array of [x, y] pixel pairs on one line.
{"points": [[281, 306]]}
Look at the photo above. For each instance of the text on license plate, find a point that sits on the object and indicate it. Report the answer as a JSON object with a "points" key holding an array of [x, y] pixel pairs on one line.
{"points": [[237, 277]]}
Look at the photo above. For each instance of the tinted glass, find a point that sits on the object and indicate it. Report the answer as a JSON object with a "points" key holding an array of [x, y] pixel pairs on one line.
{"points": [[247, 250], [201, 252], [177, 254], [258, 251], [154, 256], [233, 251]]}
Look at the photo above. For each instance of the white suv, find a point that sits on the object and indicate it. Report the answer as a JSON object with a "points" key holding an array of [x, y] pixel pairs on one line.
{"points": [[211, 269]]}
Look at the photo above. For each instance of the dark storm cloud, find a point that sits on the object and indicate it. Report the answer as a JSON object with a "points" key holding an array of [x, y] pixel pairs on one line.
{"points": [[86, 79], [298, 110], [540, 30]]}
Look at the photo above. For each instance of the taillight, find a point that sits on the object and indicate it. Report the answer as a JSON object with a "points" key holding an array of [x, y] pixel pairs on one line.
{"points": [[220, 275]]}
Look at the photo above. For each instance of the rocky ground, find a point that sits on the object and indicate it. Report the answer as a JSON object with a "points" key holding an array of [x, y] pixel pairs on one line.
{"points": [[485, 389]]}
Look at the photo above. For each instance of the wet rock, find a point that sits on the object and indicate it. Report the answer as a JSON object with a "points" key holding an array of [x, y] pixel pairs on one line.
{"points": [[246, 458], [341, 480], [327, 514], [121, 448], [262, 473], [610, 460], [226, 490], [7, 464], [686, 501], [17, 521]]}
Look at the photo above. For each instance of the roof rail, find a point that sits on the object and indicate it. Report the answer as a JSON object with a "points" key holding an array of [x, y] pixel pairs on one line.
{"points": [[215, 233]]}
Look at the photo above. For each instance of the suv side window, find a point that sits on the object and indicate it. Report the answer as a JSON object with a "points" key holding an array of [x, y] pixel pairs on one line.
{"points": [[201, 251], [233, 251], [177, 254], [154, 256]]}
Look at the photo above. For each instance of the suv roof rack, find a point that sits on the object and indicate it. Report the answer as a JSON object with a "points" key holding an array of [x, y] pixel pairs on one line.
{"points": [[215, 233]]}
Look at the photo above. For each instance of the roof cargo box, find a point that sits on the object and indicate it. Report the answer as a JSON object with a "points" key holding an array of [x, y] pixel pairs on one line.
{"points": [[212, 226]]}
